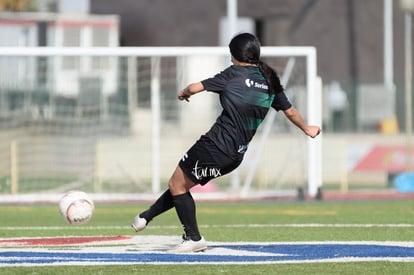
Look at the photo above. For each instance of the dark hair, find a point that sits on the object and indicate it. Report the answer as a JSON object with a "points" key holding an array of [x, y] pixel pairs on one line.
{"points": [[245, 47]]}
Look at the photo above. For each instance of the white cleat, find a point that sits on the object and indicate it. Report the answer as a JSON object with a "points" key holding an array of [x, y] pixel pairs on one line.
{"points": [[139, 224], [189, 246]]}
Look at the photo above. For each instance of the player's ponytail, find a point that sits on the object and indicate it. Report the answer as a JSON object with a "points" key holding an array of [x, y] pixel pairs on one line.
{"points": [[245, 47], [271, 77]]}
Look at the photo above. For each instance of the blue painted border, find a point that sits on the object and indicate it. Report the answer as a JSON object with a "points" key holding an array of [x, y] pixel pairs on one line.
{"points": [[282, 252]]}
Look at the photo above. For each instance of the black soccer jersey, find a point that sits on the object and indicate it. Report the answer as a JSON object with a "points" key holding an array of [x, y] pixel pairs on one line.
{"points": [[245, 100]]}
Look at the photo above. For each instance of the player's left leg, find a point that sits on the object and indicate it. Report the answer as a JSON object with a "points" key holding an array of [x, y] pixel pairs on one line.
{"points": [[180, 185]]}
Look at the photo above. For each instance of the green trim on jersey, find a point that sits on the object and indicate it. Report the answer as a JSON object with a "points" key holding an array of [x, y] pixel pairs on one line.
{"points": [[252, 123], [259, 99]]}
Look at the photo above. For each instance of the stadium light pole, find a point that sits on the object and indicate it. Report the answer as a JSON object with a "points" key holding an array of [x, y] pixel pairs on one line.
{"points": [[232, 14], [408, 7], [232, 18], [388, 46]]}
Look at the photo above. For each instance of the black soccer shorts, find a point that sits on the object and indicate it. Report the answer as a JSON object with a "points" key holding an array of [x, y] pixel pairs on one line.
{"points": [[204, 162]]}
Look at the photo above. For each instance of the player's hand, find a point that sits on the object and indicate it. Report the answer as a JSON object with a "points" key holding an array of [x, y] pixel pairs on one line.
{"points": [[183, 98], [312, 131], [190, 90], [183, 95]]}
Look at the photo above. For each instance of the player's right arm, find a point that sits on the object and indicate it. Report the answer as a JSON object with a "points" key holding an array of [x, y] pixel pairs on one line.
{"points": [[190, 90], [295, 117]]}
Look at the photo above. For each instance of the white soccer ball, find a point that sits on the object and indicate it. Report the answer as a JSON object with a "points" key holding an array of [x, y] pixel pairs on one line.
{"points": [[76, 207]]}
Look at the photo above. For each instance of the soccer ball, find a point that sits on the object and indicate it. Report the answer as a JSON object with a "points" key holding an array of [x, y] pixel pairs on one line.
{"points": [[76, 207]]}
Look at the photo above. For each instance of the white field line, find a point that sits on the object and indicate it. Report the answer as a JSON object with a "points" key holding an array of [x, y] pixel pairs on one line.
{"points": [[293, 225]]}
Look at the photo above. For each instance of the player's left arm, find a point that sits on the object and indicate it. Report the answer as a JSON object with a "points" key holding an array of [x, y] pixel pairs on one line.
{"points": [[190, 90], [295, 117]]}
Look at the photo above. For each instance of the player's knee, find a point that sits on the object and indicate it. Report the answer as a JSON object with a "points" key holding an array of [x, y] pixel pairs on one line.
{"points": [[176, 187]]}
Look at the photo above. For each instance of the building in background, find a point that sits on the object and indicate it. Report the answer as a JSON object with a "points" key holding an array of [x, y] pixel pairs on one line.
{"points": [[348, 36], [59, 79]]}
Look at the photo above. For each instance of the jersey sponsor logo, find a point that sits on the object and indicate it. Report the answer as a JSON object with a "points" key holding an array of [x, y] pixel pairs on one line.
{"points": [[202, 172], [249, 83], [242, 149], [252, 84]]}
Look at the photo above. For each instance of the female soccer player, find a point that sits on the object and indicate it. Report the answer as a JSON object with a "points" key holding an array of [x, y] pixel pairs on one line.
{"points": [[247, 90]]}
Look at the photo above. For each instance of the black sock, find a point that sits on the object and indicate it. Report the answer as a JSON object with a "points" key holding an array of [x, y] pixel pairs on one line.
{"points": [[186, 211], [163, 203]]}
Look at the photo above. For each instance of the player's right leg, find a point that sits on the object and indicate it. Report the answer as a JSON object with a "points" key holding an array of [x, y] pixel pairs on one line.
{"points": [[163, 203]]}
